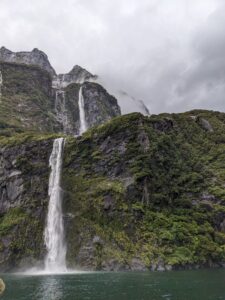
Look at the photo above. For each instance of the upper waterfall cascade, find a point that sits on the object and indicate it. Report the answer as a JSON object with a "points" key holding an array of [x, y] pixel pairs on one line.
{"points": [[83, 122]]}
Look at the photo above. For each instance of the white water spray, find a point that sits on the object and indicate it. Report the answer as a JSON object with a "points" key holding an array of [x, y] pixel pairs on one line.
{"points": [[83, 123], [55, 260]]}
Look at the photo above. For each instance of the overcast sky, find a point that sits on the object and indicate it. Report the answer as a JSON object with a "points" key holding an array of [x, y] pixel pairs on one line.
{"points": [[169, 53]]}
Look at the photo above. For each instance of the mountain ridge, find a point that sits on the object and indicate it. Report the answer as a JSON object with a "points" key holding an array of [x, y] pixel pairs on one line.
{"points": [[76, 75]]}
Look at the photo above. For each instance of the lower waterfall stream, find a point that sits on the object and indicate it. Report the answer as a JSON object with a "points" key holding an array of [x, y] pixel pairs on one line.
{"points": [[55, 260]]}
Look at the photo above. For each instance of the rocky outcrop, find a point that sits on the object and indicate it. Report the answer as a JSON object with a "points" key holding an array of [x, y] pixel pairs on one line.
{"points": [[205, 124], [99, 106], [35, 57], [76, 75]]}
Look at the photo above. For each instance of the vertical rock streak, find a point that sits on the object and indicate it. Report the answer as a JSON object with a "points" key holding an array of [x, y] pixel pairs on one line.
{"points": [[83, 123], [55, 260], [60, 109], [1, 83]]}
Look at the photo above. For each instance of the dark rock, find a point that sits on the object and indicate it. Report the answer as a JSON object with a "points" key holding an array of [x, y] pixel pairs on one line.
{"points": [[137, 264], [108, 203], [163, 125], [24, 194], [205, 124], [99, 105], [114, 265]]}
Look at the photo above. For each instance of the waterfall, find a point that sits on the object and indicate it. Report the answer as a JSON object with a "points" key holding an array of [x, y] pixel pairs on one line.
{"points": [[55, 260], [83, 123]]}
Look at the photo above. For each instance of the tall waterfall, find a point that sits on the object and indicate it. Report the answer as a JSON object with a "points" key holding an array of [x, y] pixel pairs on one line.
{"points": [[55, 260], [83, 123]]}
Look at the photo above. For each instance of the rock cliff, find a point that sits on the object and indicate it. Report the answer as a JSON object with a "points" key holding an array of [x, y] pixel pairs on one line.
{"points": [[33, 97], [35, 57], [139, 193]]}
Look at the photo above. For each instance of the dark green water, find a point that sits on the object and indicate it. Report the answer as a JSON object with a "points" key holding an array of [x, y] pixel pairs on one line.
{"points": [[183, 285]]}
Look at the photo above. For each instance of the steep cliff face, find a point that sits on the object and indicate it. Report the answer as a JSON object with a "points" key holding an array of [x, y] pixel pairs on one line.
{"points": [[146, 193], [35, 57], [138, 193], [26, 98], [99, 106], [23, 200]]}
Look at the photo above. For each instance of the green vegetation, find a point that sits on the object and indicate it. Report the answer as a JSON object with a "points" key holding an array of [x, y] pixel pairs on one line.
{"points": [[26, 102], [149, 187], [12, 218]]}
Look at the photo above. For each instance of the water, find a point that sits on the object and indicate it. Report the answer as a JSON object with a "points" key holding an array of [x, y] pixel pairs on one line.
{"points": [[55, 260], [83, 123], [183, 285]]}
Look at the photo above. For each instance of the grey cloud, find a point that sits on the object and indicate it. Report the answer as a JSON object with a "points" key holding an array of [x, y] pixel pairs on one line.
{"points": [[170, 54], [203, 83]]}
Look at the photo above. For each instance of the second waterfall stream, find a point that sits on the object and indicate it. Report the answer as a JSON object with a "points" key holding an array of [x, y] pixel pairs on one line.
{"points": [[55, 260], [83, 123]]}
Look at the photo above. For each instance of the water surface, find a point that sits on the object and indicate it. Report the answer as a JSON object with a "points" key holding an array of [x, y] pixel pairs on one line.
{"points": [[182, 285]]}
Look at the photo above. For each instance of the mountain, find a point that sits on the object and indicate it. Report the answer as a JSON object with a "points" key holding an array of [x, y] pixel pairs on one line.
{"points": [[35, 57], [139, 193], [77, 75], [34, 98]]}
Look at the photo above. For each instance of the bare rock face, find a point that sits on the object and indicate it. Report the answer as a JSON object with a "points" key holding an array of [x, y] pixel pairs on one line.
{"points": [[76, 75], [35, 57], [99, 105], [205, 124], [24, 177]]}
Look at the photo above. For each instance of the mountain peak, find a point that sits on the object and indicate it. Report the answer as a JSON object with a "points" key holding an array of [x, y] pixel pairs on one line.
{"points": [[76, 75], [81, 73], [35, 57]]}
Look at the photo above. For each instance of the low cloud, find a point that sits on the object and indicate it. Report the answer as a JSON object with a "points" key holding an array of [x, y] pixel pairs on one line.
{"points": [[170, 54]]}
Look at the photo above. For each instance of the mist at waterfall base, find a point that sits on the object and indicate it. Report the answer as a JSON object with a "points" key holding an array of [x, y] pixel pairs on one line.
{"points": [[173, 285]]}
